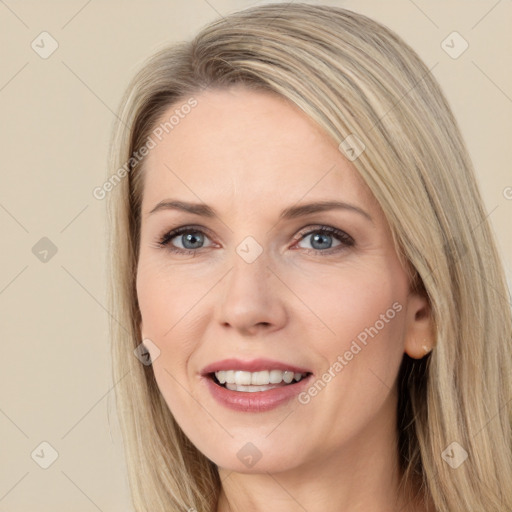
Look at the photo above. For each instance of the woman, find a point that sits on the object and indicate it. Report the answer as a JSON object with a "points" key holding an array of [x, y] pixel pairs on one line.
{"points": [[302, 264]]}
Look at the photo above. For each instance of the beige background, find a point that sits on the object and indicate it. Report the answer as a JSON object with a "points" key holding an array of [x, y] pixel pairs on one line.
{"points": [[56, 115]]}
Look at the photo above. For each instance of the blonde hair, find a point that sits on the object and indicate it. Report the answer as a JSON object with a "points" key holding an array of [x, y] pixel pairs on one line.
{"points": [[354, 77]]}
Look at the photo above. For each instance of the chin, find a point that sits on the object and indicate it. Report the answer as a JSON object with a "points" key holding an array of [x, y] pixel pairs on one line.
{"points": [[258, 455]]}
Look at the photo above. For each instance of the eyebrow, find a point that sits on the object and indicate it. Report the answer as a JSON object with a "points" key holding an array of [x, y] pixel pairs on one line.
{"points": [[292, 212]]}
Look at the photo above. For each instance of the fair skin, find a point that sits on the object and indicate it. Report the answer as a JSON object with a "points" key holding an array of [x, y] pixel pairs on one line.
{"points": [[249, 155]]}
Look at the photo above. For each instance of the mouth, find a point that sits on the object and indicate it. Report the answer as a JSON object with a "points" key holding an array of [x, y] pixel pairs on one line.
{"points": [[254, 386], [254, 382]]}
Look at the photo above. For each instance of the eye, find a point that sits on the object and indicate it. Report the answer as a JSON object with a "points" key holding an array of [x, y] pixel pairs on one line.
{"points": [[321, 239], [188, 240]]}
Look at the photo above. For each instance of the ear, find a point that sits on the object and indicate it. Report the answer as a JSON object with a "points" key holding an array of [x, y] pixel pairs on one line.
{"points": [[419, 330]]}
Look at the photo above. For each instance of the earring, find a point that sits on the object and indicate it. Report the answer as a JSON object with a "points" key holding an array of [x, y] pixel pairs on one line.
{"points": [[426, 349]]}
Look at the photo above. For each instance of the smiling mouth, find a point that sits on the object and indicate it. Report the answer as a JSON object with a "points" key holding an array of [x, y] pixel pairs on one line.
{"points": [[251, 382]]}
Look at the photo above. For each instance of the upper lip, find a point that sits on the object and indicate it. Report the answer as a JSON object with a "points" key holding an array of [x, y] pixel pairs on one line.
{"points": [[253, 365]]}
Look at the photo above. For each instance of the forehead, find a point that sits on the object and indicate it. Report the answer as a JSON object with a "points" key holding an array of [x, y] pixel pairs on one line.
{"points": [[252, 147]]}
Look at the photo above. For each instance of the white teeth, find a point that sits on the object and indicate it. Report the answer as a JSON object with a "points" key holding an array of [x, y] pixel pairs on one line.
{"points": [[288, 377], [249, 389], [260, 379], [276, 376], [243, 378]]}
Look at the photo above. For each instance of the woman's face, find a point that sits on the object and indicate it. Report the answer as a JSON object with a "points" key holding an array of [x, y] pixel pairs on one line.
{"points": [[263, 289]]}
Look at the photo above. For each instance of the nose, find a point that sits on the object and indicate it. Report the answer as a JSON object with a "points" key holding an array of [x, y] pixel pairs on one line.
{"points": [[251, 300]]}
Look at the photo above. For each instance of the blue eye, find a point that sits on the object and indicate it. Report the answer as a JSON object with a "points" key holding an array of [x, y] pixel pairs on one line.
{"points": [[321, 239], [192, 240]]}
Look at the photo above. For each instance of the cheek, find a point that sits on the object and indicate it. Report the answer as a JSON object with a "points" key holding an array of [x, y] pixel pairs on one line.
{"points": [[346, 301], [360, 321], [167, 310], [165, 305], [332, 307], [364, 310], [165, 296]]}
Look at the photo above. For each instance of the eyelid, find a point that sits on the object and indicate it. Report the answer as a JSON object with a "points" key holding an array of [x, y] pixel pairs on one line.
{"points": [[325, 228], [168, 235], [346, 240]]}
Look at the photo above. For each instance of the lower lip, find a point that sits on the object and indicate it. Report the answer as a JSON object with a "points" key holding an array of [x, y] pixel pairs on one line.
{"points": [[257, 401]]}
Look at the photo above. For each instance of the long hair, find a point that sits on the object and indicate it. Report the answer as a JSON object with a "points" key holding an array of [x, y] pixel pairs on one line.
{"points": [[355, 78]]}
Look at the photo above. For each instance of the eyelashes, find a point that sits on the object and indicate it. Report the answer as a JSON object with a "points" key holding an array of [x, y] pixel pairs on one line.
{"points": [[196, 235], [165, 241]]}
